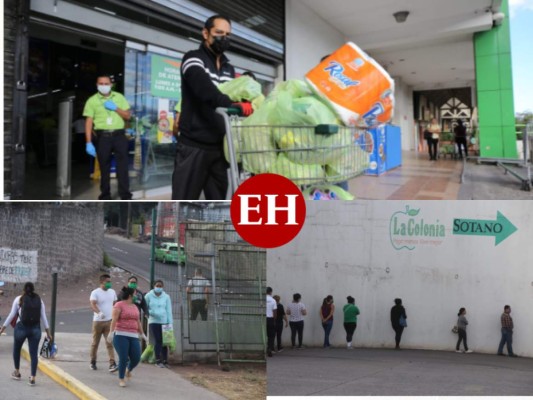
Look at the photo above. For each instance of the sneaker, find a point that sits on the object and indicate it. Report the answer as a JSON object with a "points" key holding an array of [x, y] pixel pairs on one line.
{"points": [[165, 365], [513, 355], [469, 351], [113, 367], [458, 351], [31, 381], [269, 353], [93, 366], [281, 349], [160, 365], [501, 354], [15, 375]]}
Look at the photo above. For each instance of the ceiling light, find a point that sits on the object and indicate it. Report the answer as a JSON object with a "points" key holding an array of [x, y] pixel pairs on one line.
{"points": [[401, 16]]}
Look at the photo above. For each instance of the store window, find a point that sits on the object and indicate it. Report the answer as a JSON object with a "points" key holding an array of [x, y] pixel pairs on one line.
{"points": [[152, 87]]}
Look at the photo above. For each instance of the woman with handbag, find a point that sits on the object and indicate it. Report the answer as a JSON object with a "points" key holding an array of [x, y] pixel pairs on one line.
{"points": [[28, 312], [461, 331], [160, 310], [398, 319], [432, 135]]}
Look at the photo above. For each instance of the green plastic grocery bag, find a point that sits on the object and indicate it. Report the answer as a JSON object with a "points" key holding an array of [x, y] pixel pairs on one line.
{"points": [[148, 354], [241, 88], [168, 337]]}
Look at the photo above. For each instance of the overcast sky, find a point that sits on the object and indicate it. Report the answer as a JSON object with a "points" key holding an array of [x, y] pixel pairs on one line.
{"points": [[522, 53]]}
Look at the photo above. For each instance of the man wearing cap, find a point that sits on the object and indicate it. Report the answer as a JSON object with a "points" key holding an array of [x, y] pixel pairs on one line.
{"points": [[106, 113]]}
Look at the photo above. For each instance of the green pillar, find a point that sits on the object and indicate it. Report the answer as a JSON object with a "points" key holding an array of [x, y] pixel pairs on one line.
{"points": [[494, 81]]}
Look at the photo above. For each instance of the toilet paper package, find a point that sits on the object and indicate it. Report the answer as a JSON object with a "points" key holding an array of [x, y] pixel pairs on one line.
{"points": [[359, 90]]}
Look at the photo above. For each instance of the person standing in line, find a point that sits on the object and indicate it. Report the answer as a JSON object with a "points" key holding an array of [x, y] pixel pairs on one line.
{"points": [[126, 328], [462, 322], [460, 138], [106, 113], [198, 295], [351, 312], [433, 141], [397, 313], [271, 315], [29, 310], [200, 164], [160, 310], [507, 332], [326, 315], [281, 318], [296, 312], [102, 300]]}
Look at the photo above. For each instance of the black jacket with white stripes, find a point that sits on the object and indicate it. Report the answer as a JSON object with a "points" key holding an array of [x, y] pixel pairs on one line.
{"points": [[200, 126]]}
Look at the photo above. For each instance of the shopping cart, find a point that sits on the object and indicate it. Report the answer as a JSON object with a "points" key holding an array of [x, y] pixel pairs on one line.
{"points": [[310, 156]]}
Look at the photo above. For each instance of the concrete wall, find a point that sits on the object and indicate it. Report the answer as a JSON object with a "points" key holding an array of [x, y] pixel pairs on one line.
{"points": [[67, 238], [403, 113], [347, 249], [308, 39]]}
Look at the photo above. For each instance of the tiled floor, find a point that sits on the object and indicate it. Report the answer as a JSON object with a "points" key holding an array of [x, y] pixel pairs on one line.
{"points": [[417, 179]]}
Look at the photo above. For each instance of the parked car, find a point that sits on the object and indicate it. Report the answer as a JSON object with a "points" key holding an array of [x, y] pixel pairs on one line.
{"points": [[168, 253]]}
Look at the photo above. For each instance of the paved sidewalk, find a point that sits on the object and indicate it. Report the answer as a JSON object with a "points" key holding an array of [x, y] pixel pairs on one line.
{"points": [[385, 372], [147, 382], [45, 388]]}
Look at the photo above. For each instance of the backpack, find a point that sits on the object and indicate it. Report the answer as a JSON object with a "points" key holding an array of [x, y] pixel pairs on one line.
{"points": [[30, 310]]}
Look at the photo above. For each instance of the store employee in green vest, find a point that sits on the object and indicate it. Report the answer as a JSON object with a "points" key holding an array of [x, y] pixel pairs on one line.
{"points": [[106, 113]]}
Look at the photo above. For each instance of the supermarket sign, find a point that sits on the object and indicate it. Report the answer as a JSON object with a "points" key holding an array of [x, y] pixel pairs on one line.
{"points": [[18, 266], [501, 228], [408, 229], [165, 77]]}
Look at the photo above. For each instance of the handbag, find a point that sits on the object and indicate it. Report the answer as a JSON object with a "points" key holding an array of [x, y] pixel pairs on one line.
{"points": [[427, 135], [455, 329], [14, 321], [403, 321]]}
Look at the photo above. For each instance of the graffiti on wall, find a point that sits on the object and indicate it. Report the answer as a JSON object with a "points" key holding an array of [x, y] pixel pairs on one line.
{"points": [[18, 266]]}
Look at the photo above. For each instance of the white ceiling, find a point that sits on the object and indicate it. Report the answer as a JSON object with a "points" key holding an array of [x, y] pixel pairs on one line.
{"points": [[435, 43]]}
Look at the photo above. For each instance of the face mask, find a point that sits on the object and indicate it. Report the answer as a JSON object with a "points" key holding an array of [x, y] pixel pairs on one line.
{"points": [[132, 285], [220, 44], [158, 290], [104, 89], [107, 285]]}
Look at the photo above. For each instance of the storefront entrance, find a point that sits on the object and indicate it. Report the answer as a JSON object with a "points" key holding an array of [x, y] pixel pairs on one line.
{"points": [[64, 63]]}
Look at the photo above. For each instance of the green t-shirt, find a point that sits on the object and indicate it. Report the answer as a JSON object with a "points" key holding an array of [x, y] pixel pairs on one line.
{"points": [[350, 312], [94, 108]]}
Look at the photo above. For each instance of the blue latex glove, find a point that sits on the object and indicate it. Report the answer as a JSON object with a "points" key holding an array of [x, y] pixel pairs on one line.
{"points": [[89, 148], [109, 105]]}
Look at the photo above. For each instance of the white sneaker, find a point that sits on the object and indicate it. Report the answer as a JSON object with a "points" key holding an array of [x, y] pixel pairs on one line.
{"points": [[469, 351], [458, 351]]}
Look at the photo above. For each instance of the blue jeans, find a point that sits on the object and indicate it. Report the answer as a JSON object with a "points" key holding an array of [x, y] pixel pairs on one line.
{"points": [[33, 334], [507, 336], [127, 348], [161, 352], [327, 330]]}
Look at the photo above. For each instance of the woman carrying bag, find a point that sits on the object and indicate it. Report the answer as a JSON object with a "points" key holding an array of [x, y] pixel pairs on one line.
{"points": [[29, 312]]}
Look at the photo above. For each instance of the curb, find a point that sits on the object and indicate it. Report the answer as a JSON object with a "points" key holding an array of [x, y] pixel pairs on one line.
{"points": [[79, 389]]}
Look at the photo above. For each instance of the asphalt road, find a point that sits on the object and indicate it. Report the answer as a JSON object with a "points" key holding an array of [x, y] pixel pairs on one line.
{"points": [[135, 257]]}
